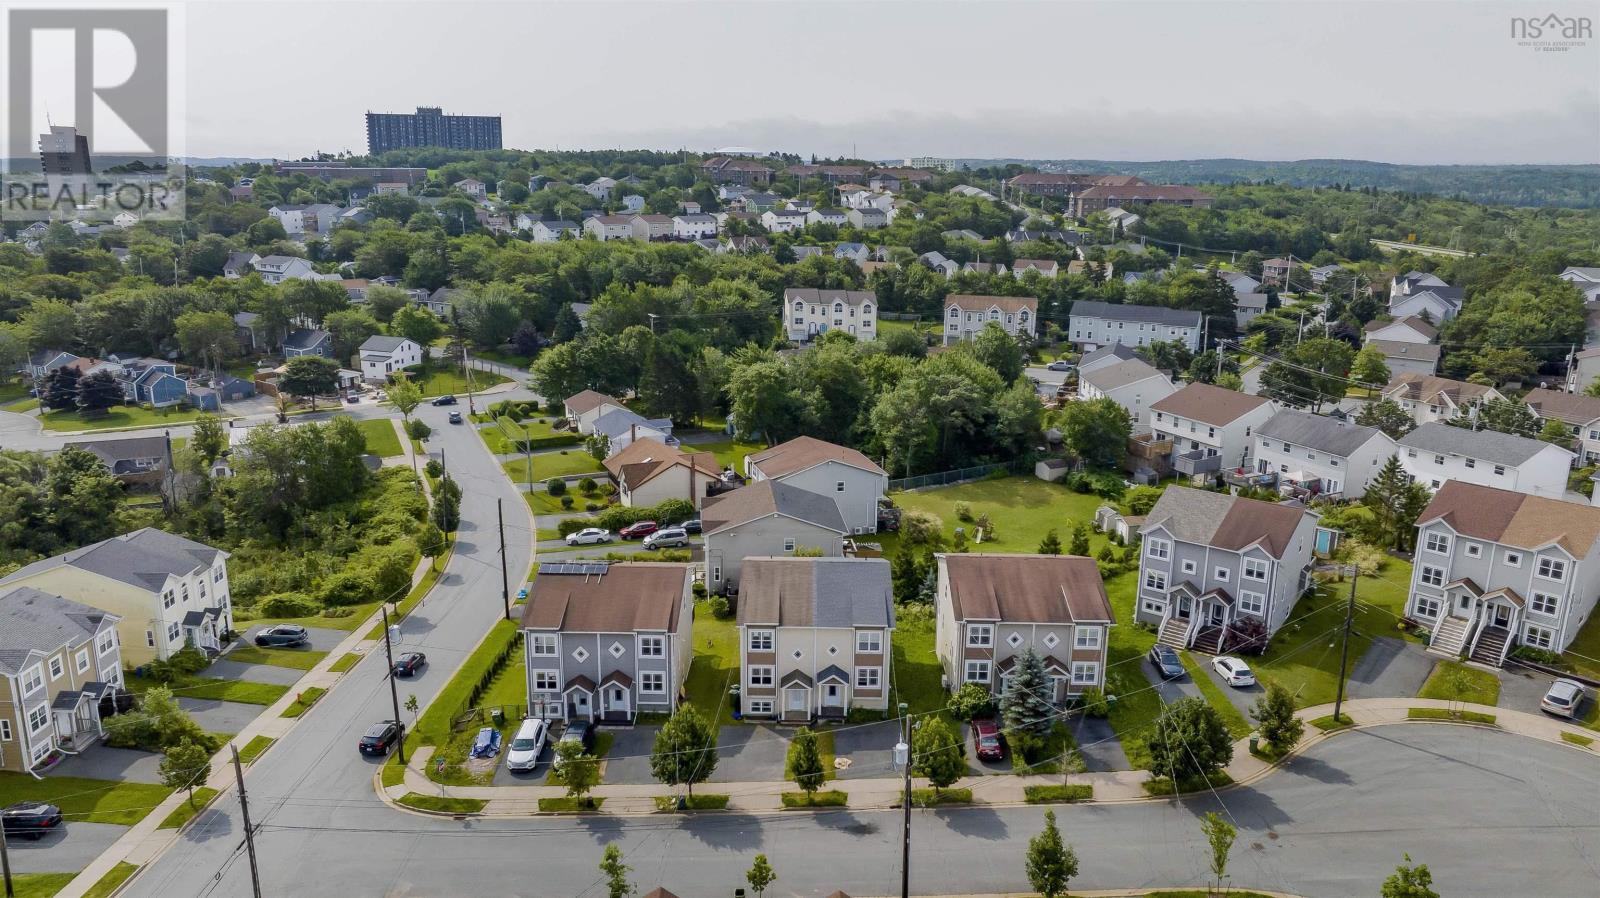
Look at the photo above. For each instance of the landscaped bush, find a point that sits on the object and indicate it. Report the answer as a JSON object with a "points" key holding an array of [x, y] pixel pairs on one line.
{"points": [[433, 468], [672, 511], [1538, 656], [555, 486], [971, 700], [418, 429], [719, 608], [1107, 484], [963, 511], [1094, 702], [566, 502], [699, 589], [587, 486]]}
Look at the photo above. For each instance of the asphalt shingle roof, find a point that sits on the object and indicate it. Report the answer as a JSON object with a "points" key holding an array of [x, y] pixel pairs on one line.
{"points": [[35, 621], [143, 558], [771, 497], [817, 592], [1143, 314], [1489, 445], [1320, 432]]}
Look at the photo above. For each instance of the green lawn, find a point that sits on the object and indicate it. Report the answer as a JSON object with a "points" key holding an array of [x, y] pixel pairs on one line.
{"points": [[433, 728], [504, 357], [40, 885], [570, 805], [1447, 714], [243, 691], [254, 748], [702, 802], [382, 440], [1584, 652], [1238, 726], [121, 416], [1328, 722], [351, 659], [1137, 705], [1021, 510], [730, 453], [716, 664], [187, 811], [829, 799], [25, 404], [300, 659], [1053, 794], [447, 381], [1479, 687], [112, 881], [915, 677], [303, 701], [561, 463], [442, 805], [85, 800], [927, 798]]}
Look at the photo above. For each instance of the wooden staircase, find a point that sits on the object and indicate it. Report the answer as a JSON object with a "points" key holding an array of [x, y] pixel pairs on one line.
{"points": [[1208, 640], [1450, 637], [1491, 647], [1174, 632]]}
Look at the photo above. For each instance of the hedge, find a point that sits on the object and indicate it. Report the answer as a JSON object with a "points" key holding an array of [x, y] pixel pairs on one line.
{"points": [[672, 511]]}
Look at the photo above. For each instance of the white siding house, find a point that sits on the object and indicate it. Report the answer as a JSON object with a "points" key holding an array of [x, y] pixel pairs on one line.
{"points": [[1435, 454]]}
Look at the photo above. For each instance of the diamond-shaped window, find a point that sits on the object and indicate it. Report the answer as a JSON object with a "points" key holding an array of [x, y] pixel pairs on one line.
{"points": [[1014, 640], [616, 650], [1050, 640], [580, 654]]}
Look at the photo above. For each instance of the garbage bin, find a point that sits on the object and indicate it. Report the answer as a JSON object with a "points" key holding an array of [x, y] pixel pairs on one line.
{"points": [[1255, 742], [499, 717]]}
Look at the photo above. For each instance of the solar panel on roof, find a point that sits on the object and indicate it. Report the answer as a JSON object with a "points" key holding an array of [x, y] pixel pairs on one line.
{"points": [[584, 568]]}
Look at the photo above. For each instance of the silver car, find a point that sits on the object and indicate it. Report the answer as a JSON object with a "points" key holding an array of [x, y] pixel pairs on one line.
{"points": [[672, 537], [1563, 698]]}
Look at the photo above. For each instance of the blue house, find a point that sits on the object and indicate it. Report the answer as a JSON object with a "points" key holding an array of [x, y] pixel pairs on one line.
{"points": [[234, 388], [204, 398], [306, 341], [152, 381]]}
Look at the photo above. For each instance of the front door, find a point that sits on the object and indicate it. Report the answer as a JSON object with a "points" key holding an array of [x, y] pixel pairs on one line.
{"points": [[1464, 606], [831, 697], [580, 705], [1214, 615], [1183, 608], [795, 702], [1502, 616]]}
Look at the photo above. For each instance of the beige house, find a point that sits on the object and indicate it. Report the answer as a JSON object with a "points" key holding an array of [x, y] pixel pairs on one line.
{"points": [[766, 518], [585, 408], [168, 591], [59, 659], [648, 472], [814, 637]]}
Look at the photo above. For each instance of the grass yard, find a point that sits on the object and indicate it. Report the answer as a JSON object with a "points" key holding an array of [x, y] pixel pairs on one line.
{"points": [[382, 440], [566, 805], [112, 881], [541, 502], [440, 805], [1054, 794], [829, 799], [254, 748], [1584, 652], [1329, 723], [187, 811], [1452, 681], [915, 677], [503, 356], [208, 688], [602, 747], [1447, 714], [85, 800], [433, 727], [561, 463], [730, 453], [25, 404], [1161, 785], [450, 381], [1137, 704], [303, 701], [40, 885], [119, 417], [927, 798], [716, 665], [299, 659], [351, 659], [1021, 509], [703, 802]]}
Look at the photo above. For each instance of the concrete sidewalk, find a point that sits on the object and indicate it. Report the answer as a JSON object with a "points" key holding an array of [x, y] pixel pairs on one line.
{"points": [[869, 794]]}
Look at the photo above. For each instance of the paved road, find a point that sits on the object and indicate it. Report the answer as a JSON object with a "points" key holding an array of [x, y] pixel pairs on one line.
{"points": [[1334, 824]]}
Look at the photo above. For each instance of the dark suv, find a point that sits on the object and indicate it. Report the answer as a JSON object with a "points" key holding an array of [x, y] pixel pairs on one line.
{"points": [[380, 738], [283, 636], [31, 819]]}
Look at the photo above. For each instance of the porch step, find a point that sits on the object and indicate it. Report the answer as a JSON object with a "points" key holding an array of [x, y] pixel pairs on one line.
{"points": [[1208, 640], [1450, 637], [1172, 632], [1491, 647]]}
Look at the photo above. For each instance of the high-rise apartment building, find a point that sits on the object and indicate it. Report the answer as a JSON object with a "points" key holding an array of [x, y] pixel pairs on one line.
{"points": [[430, 127]]}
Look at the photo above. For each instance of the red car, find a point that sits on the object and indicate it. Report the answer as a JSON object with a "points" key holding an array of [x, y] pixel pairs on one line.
{"points": [[640, 530], [986, 741]]}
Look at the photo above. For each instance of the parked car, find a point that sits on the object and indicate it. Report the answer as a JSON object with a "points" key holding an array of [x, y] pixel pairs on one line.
{"points": [[445, 400], [31, 819], [527, 745], [408, 664], [672, 537], [353, 398], [455, 417], [639, 530], [1165, 661], [692, 526], [283, 636], [1059, 365], [380, 738], [1233, 671], [1563, 698], [580, 732], [589, 536], [986, 741]]}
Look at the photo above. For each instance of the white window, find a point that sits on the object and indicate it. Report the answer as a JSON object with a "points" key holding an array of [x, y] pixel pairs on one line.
{"points": [[150, 638], [788, 544], [867, 677], [977, 672], [1472, 463], [1539, 637], [1411, 453], [32, 679], [1188, 567], [1474, 550], [83, 660], [1086, 637], [172, 632], [185, 588], [1221, 574], [1085, 673], [1159, 548], [1426, 607], [869, 641], [1439, 543], [544, 644], [5, 731], [37, 718], [108, 641], [545, 681], [1438, 459], [167, 599], [652, 682], [1155, 580], [57, 668], [760, 675], [216, 575], [980, 636], [760, 640], [1544, 603], [1499, 470], [758, 706], [652, 646], [1433, 576], [1514, 559], [1151, 606], [1252, 602], [1552, 569], [1255, 569]]}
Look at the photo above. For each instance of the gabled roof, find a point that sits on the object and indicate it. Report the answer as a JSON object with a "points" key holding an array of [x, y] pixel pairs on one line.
{"points": [[304, 338], [619, 421], [588, 401], [1210, 404], [1488, 445], [1140, 314], [1514, 519], [381, 344], [1397, 349], [816, 592], [968, 302], [144, 558], [1411, 321], [769, 497], [1115, 350], [1323, 433], [646, 458], [823, 297], [1056, 589], [1573, 408], [1113, 377], [1222, 521], [802, 453], [1428, 387], [622, 599], [115, 450], [33, 621]]}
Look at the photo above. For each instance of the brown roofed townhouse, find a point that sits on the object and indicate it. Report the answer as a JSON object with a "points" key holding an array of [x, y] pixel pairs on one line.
{"points": [[966, 314]]}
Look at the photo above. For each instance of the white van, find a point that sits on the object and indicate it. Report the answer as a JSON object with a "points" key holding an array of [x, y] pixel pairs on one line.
{"points": [[527, 745]]}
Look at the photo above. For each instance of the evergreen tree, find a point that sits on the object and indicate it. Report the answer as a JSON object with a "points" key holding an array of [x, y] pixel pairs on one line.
{"points": [[1080, 540], [60, 389], [1025, 705], [906, 574], [805, 761], [1051, 864], [1386, 495], [567, 325], [1051, 544], [1275, 714]]}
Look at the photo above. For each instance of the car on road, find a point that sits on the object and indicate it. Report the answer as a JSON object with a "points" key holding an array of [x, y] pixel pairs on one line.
{"points": [[1563, 698], [691, 526], [445, 400], [672, 537], [31, 820], [353, 398], [986, 741], [1059, 365], [580, 732], [408, 664], [455, 417], [1233, 671], [380, 738], [639, 530], [527, 745], [283, 636], [1165, 661], [589, 536]]}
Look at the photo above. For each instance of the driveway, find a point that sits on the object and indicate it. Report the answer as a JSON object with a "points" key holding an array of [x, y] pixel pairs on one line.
{"points": [[102, 762], [978, 767], [71, 847], [750, 753], [1391, 668], [1243, 698], [224, 669], [1523, 689], [1098, 744], [216, 716], [323, 639], [629, 759], [869, 747], [1169, 690]]}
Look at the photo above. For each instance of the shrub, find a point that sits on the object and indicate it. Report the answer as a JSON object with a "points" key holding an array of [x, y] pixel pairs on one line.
{"points": [[699, 590], [719, 608], [566, 502], [963, 511], [1368, 559], [970, 701], [1247, 636], [921, 528], [1107, 555], [671, 511], [555, 486], [188, 660], [587, 486], [351, 586], [1094, 702], [433, 468], [1538, 656], [418, 429]]}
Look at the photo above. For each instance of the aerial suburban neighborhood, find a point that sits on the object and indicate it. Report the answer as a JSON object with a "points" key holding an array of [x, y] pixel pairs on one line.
{"points": [[917, 484]]}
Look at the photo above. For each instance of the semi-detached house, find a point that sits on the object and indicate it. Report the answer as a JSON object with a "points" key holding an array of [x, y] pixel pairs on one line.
{"points": [[1319, 455], [58, 659], [1435, 454], [1428, 398], [1580, 414], [1134, 384], [1094, 324], [1211, 428], [965, 315], [810, 312]]}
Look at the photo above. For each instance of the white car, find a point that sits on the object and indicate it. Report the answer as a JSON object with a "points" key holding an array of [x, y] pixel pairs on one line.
{"points": [[589, 536], [1563, 699], [527, 745], [1233, 671]]}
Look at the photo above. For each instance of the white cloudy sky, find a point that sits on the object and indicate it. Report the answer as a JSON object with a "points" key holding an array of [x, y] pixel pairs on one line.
{"points": [[1422, 82]]}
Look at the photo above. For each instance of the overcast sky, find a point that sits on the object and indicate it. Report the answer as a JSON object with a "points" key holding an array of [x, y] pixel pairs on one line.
{"points": [[1420, 82]]}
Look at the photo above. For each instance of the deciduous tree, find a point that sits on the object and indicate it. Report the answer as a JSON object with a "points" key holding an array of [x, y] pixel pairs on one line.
{"points": [[1188, 742], [685, 750], [1051, 864], [185, 766], [1220, 835], [805, 761], [937, 753]]}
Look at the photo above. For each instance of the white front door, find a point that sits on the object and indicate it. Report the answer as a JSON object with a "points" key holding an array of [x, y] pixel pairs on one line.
{"points": [[795, 700], [831, 697]]}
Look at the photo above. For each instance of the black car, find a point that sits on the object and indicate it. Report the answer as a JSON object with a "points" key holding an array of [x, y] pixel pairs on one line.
{"points": [[31, 819], [455, 417], [1166, 662], [283, 636], [380, 738], [409, 663], [580, 732], [691, 526], [445, 400]]}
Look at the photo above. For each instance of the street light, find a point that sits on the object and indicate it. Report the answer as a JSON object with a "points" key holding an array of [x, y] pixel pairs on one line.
{"points": [[902, 759]]}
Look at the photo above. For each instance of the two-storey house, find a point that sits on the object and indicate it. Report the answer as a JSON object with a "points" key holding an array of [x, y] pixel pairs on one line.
{"points": [[648, 472], [814, 637], [144, 461], [308, 341], [1578, 412], [1318, 455], [1428, 398], [554, 230], [811, 312], [990, 609], [1105, 356], [1401, 330], [1495, 569], [1133, 384], [694, 226], [167, 591], [59, 658], [604, 642], [1094, 324], [766, 518], [1434, 454], [1210, 427], [1218, 571], [382, 357], [609, 227], [652, 227], [277, 269], [782, 221], [584, 408], [965, 315], [854, 481]]}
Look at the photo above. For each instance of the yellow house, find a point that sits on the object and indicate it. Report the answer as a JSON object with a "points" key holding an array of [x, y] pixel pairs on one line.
{"points": [[58, 660], [168, 591]]}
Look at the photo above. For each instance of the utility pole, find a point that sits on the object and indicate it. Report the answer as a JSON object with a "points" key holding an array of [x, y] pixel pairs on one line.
{"points": [[505, 583], [5, 864], [249, 833], [1344, 649], [902, 756], [394, 690]]}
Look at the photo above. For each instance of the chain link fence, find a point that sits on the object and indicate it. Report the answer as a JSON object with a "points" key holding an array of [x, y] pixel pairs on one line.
{"points": [[961, 475]]}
